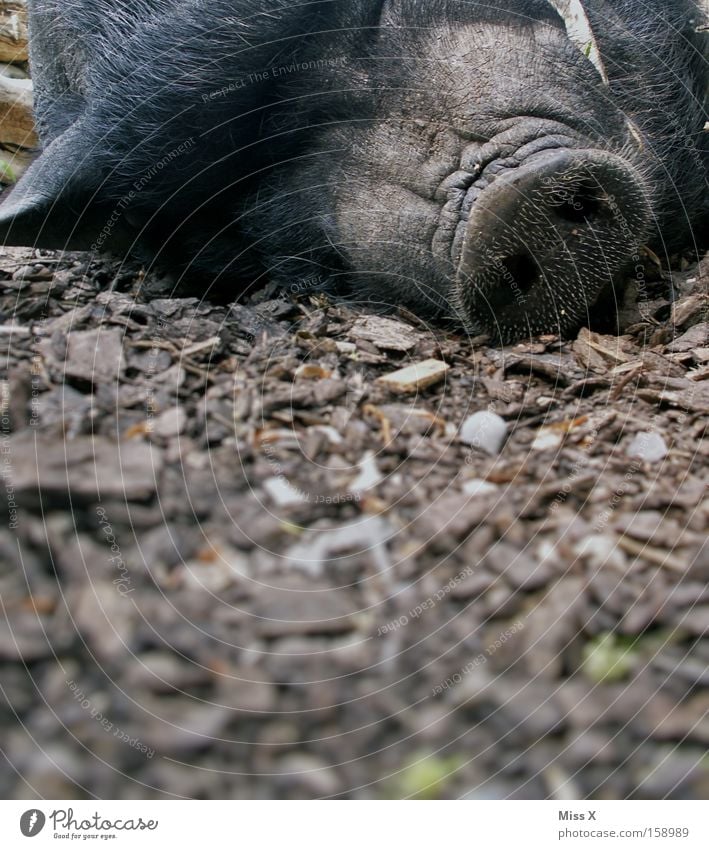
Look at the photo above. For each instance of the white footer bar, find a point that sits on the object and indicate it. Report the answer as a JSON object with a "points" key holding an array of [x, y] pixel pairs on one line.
{"points": [[356, 825]]}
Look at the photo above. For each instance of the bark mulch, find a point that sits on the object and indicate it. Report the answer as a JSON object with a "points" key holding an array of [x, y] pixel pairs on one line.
{"points": [[236, 563]]}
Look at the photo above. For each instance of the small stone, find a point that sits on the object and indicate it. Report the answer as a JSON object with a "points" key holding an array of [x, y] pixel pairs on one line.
{"points": [[546, 439], [283, 493], [486, 431], [479, 487], [369, 475], [648, 447], [170, 423]]}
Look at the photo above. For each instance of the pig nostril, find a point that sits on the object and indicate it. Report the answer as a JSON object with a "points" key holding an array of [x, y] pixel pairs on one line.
{"points": [[519, 274], [582, 203]]}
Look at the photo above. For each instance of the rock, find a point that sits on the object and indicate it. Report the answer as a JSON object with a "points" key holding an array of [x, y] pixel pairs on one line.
{"points": [[479, 487], [598, 353], [648, 447], [474, 586], [592, 745], [13, 31], [486, 431], [170, 423], [547, 438], [16, 117], [245, 693]]}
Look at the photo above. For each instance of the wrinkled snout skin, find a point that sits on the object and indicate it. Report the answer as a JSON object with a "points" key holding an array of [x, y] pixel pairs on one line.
{"points": [[468, 160]]}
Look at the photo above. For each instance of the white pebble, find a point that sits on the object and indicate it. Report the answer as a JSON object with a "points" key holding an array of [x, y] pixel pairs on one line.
{"points": [[478, 487], [369, 475], [486, 431], [546, 438], [170, 423], [283, 493], [648, 447]]}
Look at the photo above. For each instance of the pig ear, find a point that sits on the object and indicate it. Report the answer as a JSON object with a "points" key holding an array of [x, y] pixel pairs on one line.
{"points": [[43, 209]]}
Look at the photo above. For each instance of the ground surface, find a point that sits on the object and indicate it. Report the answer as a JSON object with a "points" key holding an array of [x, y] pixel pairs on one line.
{"points": [[235, 565]]}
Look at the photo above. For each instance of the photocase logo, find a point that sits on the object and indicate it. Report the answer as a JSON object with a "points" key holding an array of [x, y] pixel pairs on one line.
{"points": [[32, 822]]}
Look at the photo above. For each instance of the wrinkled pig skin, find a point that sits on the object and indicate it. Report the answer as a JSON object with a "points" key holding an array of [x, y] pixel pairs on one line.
{"points": [[468, 160]]}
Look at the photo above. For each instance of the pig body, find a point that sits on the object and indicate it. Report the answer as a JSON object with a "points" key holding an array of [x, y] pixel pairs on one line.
{"points": [[473, 160]]}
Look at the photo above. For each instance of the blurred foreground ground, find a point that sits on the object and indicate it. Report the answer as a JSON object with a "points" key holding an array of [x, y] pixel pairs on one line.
{"points": [[234, 565]]}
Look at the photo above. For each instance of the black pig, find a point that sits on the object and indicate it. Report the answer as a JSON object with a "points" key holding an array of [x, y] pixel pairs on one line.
{"points": [[496, 162]]}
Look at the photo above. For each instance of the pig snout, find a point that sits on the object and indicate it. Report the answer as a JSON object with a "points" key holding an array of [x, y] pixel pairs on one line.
{"points": [[544, 240]]}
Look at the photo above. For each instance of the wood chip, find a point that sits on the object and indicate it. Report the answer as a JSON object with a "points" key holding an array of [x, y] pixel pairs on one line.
{"points": [[200, 347], [95, 355], [83, 468], [690, 308], [415, 378], [696, 337], [14, 330], [385, 333], [596, 352], [656, 556]]}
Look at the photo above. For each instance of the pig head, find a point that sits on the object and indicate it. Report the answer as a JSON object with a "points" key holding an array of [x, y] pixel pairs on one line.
{"points": [[495, 163]]}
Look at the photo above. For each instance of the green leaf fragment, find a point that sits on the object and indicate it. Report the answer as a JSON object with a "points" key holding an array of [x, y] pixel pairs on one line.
{"points": [[608, 658], [7, 173], [426, 776]]}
